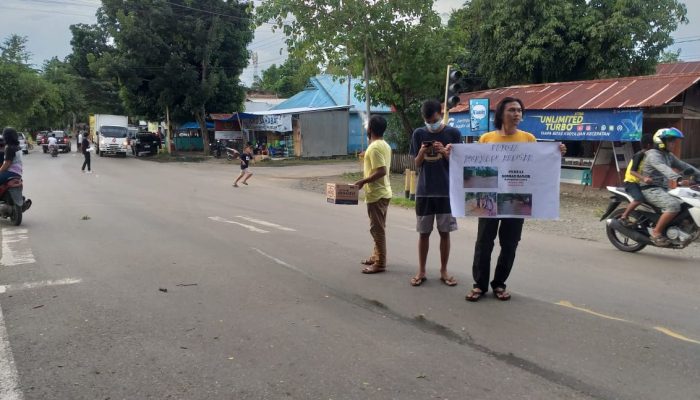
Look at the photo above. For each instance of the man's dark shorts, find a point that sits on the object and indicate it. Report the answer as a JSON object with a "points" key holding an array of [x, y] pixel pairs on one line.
{"points": [[634, 190]]}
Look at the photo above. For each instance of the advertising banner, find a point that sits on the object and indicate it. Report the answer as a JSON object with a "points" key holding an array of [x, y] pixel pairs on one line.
{"points": [[272, 122], [599, 125], [461, 122], [602, 125], [505, 180], [479, 116]]}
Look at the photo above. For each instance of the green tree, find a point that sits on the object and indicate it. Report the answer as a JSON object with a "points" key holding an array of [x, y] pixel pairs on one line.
{"points": [[21, 87], [14, 50], [289, 78], [402, 43], [91, 46], [670, 57], [531, 41], [179, 54]]}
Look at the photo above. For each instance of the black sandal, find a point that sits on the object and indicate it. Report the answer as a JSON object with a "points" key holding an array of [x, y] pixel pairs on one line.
{"points": [[501, 294], [474, 295]]}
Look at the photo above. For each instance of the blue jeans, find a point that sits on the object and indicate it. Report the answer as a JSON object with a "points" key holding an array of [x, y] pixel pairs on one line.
{"points": [[7, 175]]}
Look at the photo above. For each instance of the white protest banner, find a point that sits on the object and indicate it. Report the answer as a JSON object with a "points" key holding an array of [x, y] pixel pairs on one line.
{"points": [[505, 180]]}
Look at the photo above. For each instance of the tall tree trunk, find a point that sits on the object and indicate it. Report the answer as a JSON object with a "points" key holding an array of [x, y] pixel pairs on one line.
{"points": [[201, 113], [201, 117], [406, 123]]}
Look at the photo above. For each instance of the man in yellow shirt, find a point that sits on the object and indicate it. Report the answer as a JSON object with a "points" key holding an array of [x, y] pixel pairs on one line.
{"points": [[377, 162]]}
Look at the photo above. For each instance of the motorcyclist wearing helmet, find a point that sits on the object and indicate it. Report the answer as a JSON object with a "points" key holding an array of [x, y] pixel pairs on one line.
{"points": [[659, 165]]}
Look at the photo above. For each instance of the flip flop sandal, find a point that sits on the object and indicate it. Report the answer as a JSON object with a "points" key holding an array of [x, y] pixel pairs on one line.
{"points": [[661, 241], [474, 295], [373, 269], [415, 281], [501, 294], [451, 281], [368, 261]]}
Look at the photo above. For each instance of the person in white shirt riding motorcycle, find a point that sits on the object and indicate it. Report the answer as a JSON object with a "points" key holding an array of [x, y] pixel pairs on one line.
{"points": [[660, 164], [53, 142]]}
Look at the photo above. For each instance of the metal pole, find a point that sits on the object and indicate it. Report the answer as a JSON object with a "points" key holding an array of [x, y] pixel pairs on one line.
{"points": [[445, 115]]}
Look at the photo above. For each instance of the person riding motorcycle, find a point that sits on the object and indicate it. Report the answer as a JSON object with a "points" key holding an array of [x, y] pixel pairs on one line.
{"points": [[53, 142], [659, 165]]}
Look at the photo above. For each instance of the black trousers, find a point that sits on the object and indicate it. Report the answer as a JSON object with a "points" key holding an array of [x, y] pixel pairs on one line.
{"points": [[509, 231], [87, 160]]}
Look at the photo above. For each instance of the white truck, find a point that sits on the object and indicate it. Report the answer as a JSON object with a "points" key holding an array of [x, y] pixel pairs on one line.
{"points": [[109, 133]]}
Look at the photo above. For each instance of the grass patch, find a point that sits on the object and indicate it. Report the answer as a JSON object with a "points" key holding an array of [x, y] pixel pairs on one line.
{"points": [[178, 157], [268, 162], [403, 202], [351, 176]]}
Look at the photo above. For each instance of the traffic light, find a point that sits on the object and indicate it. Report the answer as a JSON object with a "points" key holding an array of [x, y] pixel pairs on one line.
{"points": [[454, 87]]}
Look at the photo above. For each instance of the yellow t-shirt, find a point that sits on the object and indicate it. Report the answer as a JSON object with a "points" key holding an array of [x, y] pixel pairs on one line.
{"points": [[497, 137], [638, 159], [378, 154]]}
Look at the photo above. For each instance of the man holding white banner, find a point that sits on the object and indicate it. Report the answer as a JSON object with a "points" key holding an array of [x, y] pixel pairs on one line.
{"points": [[502, 183]]}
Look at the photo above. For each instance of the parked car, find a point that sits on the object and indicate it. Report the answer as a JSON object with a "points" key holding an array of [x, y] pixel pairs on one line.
{"points": [[23, 142], [62, 139], [144, 143]]}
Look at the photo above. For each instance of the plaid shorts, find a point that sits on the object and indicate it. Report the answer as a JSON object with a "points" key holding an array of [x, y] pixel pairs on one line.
{"points": [[661, 199]]}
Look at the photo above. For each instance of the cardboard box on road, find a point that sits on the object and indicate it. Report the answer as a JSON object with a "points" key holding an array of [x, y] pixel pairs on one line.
{"points": [[341, 193]]}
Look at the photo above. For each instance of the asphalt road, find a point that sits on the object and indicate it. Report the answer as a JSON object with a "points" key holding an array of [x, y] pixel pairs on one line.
{"points": [[161, 281]]}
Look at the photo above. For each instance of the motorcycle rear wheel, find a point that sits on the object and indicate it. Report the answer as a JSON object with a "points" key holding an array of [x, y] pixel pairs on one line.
{"points": [[16, 217], [620, 241]]}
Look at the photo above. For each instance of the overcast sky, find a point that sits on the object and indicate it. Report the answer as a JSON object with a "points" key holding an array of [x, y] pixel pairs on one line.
{"points": [[46, 22]]}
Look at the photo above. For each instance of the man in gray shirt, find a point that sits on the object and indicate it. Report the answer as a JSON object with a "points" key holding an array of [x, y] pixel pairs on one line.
{"points": [[659, 165]]}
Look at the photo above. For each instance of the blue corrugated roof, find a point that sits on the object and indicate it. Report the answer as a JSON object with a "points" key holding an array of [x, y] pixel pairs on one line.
{"points": [[328, 91]]}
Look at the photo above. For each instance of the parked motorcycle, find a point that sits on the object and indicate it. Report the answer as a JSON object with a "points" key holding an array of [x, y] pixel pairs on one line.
{"points": [[215, 148], [12, 203], [633, 237], [232, 154], [54, 150]]}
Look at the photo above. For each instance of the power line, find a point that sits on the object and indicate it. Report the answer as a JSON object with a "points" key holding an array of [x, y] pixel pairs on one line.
{"points": [[46, 11]]}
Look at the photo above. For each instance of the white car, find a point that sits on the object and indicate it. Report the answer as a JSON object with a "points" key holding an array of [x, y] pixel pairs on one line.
{"points": [[23, 142]]}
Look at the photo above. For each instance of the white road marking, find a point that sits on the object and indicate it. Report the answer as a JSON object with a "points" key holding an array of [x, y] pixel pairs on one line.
{"points": [[15, 247], [280, 262], [249, 227], [32, 285], [265, 223], [9, 381]]}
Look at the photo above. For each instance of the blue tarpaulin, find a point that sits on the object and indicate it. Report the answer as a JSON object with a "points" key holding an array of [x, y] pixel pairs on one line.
{"points": [[240, 115], [194, 125]]}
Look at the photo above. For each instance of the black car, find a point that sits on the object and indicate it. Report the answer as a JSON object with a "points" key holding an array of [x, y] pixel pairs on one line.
{"points": [[62, 140], [145, 143]]}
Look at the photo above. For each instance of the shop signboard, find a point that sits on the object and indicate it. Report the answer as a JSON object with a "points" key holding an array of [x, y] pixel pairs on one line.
{"points": [[271, 123]]}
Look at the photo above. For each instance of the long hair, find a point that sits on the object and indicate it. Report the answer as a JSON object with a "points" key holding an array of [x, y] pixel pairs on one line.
{"points": [[10, 136], [501, 108]]}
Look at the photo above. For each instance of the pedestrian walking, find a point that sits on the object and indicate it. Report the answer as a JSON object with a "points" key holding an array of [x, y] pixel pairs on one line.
{"points": [[377, 186], [80, 140], [509, 113], [430, 145], [246, 156], [85, 147]]}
